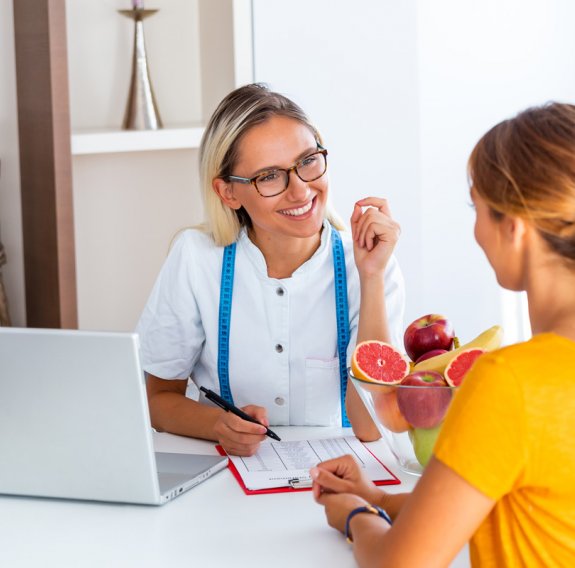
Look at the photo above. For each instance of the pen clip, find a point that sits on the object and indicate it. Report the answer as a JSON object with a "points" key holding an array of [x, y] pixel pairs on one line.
{"points": [[300, 482]]}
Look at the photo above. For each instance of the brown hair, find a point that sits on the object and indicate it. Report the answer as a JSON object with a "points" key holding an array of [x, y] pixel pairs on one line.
{"points": [[525, 167], [236, 114]]}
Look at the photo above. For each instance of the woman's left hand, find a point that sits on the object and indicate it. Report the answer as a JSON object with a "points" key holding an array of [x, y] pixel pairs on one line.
{"points": [[338, 506], [375, 234]]}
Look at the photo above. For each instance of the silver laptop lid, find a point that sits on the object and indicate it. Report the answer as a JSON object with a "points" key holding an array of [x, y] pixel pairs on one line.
{"points": [[74, 419]]}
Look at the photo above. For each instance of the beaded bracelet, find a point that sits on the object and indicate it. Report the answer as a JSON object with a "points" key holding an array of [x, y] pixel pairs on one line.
{"points": [[367, 509]]}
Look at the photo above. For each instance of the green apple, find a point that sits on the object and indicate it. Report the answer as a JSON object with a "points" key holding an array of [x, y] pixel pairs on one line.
{"points": [[423, 440]]}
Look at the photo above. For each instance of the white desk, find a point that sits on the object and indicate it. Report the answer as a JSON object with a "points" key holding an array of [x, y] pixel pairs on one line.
{"points": [[213, 525]]}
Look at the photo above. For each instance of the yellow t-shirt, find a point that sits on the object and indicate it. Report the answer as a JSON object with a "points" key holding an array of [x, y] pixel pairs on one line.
{"points": [[510, 432]]}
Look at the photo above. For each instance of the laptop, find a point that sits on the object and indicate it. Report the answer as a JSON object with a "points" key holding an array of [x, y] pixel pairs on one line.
{"points": [[74, 421]]}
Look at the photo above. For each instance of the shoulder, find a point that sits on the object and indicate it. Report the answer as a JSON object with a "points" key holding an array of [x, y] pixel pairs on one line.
{"points": [[538, 368], [193, 244], [516, 370], [537, 349], [193, 238], [192, 252]]}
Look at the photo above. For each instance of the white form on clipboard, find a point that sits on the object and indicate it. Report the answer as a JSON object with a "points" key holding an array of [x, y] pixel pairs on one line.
{"points": [[280, 465]]}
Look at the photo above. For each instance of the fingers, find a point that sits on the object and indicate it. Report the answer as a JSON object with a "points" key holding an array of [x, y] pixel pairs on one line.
{"points": [[374, 224], [339, 475], [374, 227], [343, 475], [378, 202], [345, 467], [355, 217], [238, 436], [326, 482], [257, 412]]}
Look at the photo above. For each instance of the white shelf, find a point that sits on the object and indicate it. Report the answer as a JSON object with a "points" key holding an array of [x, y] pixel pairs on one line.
{"points": [[112, 141]]}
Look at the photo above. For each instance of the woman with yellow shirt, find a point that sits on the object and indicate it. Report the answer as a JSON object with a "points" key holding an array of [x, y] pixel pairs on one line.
{"points": [[502, 475]]}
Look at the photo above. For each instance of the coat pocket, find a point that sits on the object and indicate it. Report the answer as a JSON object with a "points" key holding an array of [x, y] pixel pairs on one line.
{"points": [[322, 392]]}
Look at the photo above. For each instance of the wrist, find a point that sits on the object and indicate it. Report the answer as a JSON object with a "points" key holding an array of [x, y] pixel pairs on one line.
{"points": [[391, 503], [372, 277], [370, 509]]}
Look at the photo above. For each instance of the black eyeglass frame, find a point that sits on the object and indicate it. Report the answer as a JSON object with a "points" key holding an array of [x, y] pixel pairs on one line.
{"points": [[293, 168]]}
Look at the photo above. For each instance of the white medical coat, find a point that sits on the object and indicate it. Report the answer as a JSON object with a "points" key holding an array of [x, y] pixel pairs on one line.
{"points": [[283, 333]]}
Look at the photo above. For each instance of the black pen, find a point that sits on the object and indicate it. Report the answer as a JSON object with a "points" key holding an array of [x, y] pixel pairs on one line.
{"points": [[217, 399]]}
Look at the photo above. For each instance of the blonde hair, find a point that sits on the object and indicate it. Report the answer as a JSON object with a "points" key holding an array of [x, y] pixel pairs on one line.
{"points": [[236, 114], [525, 167]]}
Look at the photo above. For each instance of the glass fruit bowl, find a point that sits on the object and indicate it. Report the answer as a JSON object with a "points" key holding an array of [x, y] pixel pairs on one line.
{"points": [[409, 418]]}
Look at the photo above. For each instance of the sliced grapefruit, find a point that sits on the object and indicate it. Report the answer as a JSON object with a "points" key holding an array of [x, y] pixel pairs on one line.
{"points": [[379, 362], [460, 364]]}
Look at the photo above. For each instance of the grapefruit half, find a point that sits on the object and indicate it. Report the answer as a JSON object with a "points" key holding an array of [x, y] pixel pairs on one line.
{"points": [[379, 362], [460, 364]]}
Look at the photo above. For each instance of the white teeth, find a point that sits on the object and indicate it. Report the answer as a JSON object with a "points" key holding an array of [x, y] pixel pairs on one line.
{"points": [[297, 212]]}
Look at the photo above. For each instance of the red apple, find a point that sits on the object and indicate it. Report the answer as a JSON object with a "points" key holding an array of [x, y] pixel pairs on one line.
{"points": [[423, 398], [430, 354], [427, 333]]}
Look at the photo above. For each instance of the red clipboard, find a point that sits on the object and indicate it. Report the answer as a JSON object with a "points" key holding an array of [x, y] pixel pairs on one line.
{"points": [[394, 481]]}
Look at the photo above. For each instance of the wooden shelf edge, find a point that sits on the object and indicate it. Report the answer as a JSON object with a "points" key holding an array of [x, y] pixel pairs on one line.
{"points": [[113, 141]]}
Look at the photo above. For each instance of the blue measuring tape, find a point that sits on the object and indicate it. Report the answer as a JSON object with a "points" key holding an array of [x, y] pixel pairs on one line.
{"points": [[224, 319], [342, 317]]}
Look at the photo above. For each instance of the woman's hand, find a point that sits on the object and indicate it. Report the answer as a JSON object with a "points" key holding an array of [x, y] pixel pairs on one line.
{"points": [[375, 234], [338, 506], [240, 437], [172, 411], [343, 475]]}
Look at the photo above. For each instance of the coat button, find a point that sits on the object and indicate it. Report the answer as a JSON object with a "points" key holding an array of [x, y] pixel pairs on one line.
{"points": [[279, 348], [280, 291], [279, 401]]}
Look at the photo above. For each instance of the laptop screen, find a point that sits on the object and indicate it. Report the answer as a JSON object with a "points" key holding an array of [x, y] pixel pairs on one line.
{"points": [[74, 420]]}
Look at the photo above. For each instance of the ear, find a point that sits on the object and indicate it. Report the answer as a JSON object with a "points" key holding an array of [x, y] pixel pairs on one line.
{"points": [[515, 230], [224, 191]]}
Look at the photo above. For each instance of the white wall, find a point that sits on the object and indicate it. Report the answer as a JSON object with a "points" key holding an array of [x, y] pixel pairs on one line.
{"points": [[10, 207], [479, 63], [353, 68], [402, 91]]}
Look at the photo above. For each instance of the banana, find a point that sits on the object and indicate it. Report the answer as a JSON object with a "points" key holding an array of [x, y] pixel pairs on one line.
{"points": [[489, 340]]}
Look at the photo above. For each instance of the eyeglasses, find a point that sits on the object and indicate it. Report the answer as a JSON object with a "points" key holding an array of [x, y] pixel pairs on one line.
{"points": [[274, 182]]}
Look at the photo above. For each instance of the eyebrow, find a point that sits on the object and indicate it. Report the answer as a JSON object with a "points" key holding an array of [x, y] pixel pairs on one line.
{"points": [[306, 152]]}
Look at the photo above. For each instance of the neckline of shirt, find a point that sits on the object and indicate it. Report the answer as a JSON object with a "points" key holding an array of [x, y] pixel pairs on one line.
{"points": [[257, 259], [551, 335]]}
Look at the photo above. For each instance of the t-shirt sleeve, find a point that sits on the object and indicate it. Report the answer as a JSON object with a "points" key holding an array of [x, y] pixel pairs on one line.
{"points": [[483, 436], [170, 328]]}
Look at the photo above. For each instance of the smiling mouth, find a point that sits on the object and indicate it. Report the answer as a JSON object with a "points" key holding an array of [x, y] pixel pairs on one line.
{"points": [[299, 211]]}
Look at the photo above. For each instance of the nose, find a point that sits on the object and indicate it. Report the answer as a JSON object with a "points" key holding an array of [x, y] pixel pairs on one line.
{"points": [[297, 189]]}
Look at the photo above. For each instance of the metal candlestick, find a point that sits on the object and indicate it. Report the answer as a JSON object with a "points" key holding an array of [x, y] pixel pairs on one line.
{"points": [[141, 109]]}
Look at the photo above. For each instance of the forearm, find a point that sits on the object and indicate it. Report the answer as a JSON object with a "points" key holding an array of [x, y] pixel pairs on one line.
{"points": [[372, 311], [175, 413], [361, 422], [372, 325], [391, 503], [370, 546], [373, 546]]}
